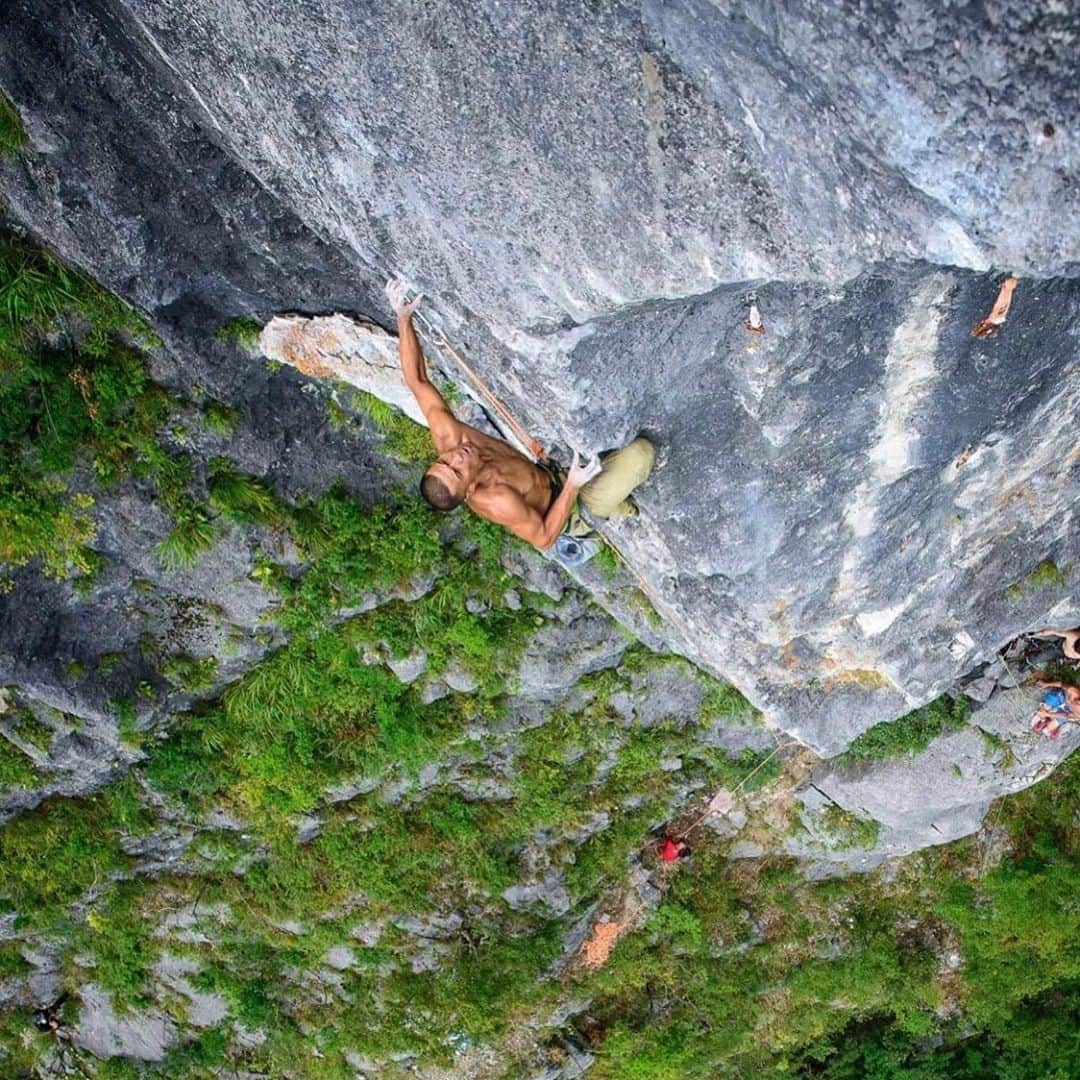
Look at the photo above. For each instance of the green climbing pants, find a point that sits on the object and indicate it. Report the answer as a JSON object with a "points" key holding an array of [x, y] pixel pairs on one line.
{"points": [[605, 496]]}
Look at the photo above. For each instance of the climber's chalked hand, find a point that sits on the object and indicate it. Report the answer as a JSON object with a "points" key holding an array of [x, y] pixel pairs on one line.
{"points": [[581, 473], [397, 292]]}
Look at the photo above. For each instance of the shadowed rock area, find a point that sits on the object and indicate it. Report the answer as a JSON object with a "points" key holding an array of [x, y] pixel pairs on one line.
{"points": [[848, 507]]}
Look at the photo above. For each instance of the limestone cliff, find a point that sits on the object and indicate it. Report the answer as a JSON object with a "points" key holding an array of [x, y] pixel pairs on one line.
{"points": [[852, 511], [586, 197]]}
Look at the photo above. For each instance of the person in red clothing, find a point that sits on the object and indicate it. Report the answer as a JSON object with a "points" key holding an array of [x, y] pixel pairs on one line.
{"points": [[673, 850]]}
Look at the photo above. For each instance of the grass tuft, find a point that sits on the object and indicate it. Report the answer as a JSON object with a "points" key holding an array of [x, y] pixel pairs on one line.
{"points": [[909, 735], [13, 137], [186, 542], [219, 418], [242, 331], [239, 497]]}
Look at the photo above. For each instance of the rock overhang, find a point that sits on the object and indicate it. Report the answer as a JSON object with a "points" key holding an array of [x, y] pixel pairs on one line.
{"points": [[586, 200]]}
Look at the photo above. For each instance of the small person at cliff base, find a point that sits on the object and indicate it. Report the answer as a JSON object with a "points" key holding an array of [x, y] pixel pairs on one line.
{"points": [[671, 850], [492, 478], [1060, 704]]}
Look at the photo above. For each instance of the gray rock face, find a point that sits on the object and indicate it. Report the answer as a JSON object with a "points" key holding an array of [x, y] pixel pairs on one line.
{"points": [[849, 494], [940, 794], [548, 896], [104, 1033], [558, 656], [585, 196]]}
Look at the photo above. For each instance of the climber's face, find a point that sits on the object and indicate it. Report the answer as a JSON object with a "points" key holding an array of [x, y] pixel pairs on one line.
{"points": [[457, 468]]}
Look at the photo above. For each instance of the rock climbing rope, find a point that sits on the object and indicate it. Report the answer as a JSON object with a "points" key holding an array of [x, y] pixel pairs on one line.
{"points": [[533, 446]]}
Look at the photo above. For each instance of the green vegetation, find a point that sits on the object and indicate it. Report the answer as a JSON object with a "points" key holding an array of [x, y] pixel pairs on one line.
{"points": [[747, 971], [74, 392], [1046, 575], [324, 710], [910, 734], [848, 830], [192, 535], [219, 418], [405, 439], [52, 856], [419, 815], [13, 137], [16, 769], [723, 701], [31, 731], [240, 498], [187, 673], [242, 331]]}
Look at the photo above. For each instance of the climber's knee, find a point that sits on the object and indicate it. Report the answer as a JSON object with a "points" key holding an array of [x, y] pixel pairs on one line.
{"points": [[605, 496]]}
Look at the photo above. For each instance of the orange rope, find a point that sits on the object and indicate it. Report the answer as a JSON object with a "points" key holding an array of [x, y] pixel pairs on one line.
{"points": [[532, 446]]}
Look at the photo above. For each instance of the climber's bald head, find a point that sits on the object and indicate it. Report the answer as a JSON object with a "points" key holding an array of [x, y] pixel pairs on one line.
{"points": [[447, 481], [440, 491]]}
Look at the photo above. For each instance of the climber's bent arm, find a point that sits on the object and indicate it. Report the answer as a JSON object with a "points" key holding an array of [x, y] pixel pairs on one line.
{"points": [[502, 505], [445, 430]]}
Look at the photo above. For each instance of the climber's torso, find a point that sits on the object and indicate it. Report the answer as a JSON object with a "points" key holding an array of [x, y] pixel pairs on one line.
{"points": [[500, 465]]}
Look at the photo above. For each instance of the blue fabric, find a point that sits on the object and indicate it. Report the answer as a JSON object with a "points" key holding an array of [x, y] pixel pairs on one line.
{"points": [[1056, 701]]}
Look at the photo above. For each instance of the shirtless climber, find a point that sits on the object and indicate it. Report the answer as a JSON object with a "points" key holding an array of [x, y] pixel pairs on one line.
{"points": [[496, 481]]}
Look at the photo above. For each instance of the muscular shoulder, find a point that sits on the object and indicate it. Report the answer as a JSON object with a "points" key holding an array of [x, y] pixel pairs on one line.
{"points": [[503, 505], [495, 498]]}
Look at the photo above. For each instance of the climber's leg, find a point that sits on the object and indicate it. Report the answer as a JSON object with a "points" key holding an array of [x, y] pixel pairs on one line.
{"points": [[605, 496]]}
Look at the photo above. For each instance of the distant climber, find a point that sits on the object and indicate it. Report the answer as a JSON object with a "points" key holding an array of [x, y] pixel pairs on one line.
{"points": [[1060, 704], [671, 850], [492, 478], [46, 1018], [995, 320], [1070, 644]]}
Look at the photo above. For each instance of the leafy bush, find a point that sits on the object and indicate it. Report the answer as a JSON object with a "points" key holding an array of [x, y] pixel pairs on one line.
{"points": [[911, 733]]}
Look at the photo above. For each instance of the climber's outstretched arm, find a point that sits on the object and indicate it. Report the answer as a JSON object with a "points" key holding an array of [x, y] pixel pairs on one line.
{"points": [[445, 433], [444, 428]]}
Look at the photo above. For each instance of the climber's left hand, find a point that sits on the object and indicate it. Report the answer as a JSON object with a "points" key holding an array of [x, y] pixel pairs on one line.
{"points": [[582, 472], [396, 293]]}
